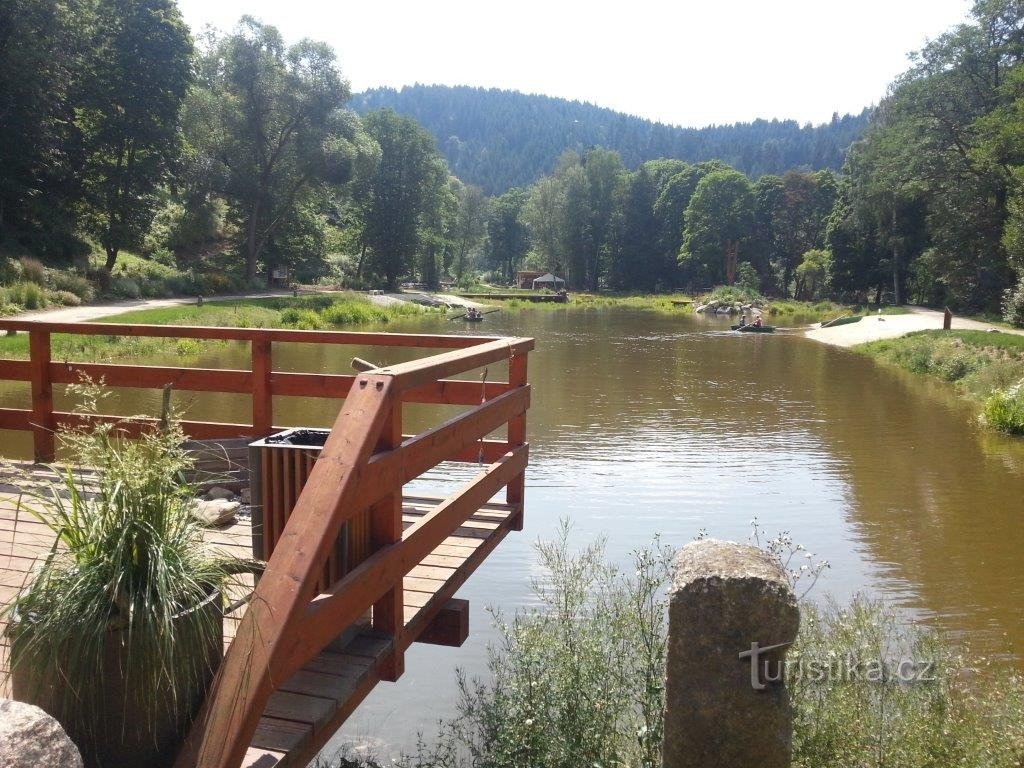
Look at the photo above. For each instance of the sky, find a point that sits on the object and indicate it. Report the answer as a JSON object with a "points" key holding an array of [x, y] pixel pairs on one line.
{"points": [[686, 62]]}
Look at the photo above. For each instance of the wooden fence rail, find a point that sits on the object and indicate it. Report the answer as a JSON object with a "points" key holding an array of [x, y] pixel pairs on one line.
{"points": [[364, 464]]}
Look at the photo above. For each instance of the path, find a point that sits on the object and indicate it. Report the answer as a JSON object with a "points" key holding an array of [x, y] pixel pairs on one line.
{"points": [[874, 327], [95, 311]]}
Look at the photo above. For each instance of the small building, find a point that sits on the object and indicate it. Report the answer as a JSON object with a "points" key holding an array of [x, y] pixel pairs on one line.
{"points": [[549, 281], [525, 278]]}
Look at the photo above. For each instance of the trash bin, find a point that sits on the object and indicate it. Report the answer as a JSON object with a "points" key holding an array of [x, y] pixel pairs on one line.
{"points": [[279, 466]]}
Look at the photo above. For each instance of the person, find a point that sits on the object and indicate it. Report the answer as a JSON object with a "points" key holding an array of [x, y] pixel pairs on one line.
{"points": [[757, 321]]}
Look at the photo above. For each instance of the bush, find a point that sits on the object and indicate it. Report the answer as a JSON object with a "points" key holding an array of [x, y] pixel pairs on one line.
{"points": [[9, 270], [1004, 410], [1013, 305], [27, 295], [71, 282], [65, 298], [353, 312], [125, 288], [303, 319], [33, 270]]}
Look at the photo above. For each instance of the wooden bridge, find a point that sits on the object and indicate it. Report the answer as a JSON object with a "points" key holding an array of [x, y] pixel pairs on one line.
{"points": [[293, 669]]}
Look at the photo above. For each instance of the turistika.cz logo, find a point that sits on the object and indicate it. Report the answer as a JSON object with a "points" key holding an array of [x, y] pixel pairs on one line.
{"points": [[767, 671]]}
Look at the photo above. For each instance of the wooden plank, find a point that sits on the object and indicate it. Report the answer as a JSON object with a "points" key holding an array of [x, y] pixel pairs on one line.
{"points": [[300, 708], [261, 758], [369, 580], [15, 370], [445, 391], [423, 452], [278, 735], [416, 373], [516, 490], [42, 395], [223, 333], [386, 530], [268, 645], [262, 400], [154, 377], [450, 627]]}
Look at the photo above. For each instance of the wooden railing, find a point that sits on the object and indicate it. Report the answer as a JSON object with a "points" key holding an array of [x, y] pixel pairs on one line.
{"points": [[364, 464]]}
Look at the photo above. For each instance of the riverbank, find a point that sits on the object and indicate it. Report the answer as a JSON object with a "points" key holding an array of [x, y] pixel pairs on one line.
{"points": [[890, 326], [987, 368], [276, 310]]}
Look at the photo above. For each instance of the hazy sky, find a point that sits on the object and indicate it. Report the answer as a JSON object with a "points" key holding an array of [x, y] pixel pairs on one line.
{"points": [[690, 62]]}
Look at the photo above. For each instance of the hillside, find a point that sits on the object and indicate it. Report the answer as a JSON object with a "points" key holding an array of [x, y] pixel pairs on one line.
{"points": [[500, 139]]}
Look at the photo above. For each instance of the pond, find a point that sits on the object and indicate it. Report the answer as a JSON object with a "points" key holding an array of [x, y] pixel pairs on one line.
{"points": [[645, 423]]}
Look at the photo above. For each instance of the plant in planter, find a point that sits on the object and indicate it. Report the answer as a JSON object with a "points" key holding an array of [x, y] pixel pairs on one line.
{"points": [[119, 633]]}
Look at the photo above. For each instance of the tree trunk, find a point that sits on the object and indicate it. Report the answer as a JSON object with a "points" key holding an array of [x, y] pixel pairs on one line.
{"points": [[731, 251], [362, 258], [251, 251], [897, 298], [111, 258]]}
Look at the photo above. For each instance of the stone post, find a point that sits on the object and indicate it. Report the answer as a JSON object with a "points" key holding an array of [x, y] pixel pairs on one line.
{"points": [[731, 615]]}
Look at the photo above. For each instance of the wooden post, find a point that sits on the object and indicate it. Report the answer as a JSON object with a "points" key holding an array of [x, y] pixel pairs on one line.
{"points": [[947, 320], [42, 395], [262, 397], [386, 529], [514, 494]]}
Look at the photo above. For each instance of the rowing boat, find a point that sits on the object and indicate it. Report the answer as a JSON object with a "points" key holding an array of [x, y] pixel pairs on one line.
{"points": [[754, 329]]}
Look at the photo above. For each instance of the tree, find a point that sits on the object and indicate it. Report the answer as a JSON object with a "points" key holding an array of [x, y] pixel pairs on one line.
{"points": [[402, 189], [508, 238], [637, 261], [141, 71], [470, 226], [544, 213], [719, 224], [812, 274], [44, 49], [279, 133]]}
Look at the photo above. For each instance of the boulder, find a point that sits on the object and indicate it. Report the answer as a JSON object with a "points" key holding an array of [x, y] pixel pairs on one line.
{"points": [[217, 512], [246, 496], [219, 493], [30, 738]]}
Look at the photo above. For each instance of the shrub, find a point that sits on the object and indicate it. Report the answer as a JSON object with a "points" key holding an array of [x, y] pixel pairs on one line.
{"points": [[32, 270], [9, 270], [1013, 305], [1004, 410], [71, 282], [952, 361], [353, 312], [27, 295], [65, 298], [303, 319], [125, 288]]}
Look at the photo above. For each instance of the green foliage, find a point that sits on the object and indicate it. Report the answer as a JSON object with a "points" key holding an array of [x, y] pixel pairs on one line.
{"points": [[578, 680], [1013, 304], [70, 282], [65, 298], [508, 239], [983, 366], [303, 319], [129, 116], [268, 119], [949, 719], [813, 274], [32, 270], [1003, 410], [747, 279], [132, 559], [26, 295], [719, 225]]}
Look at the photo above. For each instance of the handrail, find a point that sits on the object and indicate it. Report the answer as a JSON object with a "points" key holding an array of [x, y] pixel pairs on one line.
{"points": [[364, 464], [421, 381]]}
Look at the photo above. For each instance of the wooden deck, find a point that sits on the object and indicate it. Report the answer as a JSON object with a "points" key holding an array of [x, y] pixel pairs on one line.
{"points": [[306, 710]]}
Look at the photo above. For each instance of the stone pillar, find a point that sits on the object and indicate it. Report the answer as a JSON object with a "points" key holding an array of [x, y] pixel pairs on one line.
{"points": [[731, 615]]}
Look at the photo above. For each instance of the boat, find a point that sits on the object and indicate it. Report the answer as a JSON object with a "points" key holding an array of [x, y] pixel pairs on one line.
{"points": [[751, 328], [473, 318]]}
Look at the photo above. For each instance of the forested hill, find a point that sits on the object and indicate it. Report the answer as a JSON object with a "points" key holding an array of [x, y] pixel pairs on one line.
{"points": [[500, 139]]}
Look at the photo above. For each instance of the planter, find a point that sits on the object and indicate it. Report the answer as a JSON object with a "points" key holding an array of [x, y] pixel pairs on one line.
{"points": [[123, 726]]}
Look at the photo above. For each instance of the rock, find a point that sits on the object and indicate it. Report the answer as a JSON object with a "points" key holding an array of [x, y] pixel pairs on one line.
{"points": [[217, 512], [30, 738], [725, 701], [246, 496], [219, 493]]}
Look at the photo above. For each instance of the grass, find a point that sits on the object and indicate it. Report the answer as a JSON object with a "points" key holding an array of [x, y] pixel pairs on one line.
{"points": [[303, 312], [982, 366], [653, 302]]}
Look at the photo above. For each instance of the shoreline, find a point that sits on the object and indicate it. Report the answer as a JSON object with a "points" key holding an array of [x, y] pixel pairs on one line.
{"points": [[878, 327]]}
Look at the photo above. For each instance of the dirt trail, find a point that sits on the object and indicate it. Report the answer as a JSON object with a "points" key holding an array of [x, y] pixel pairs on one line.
{"points": [[874, 327]]}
